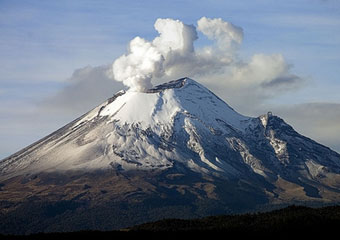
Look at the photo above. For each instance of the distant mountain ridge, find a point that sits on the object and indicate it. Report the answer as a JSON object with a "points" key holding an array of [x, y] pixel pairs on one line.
{"points": [[176, 150]]}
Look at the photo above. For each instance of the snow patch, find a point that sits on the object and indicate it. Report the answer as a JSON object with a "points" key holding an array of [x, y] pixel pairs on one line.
{"points": [[314, 168]]}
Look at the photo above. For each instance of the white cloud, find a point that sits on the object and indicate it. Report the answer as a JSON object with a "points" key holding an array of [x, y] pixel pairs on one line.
{"points": [[243, 83], [260, 70], [137, 68], [174, 36], [172, 55], [146, 60], [268, 75], [224, 33]]}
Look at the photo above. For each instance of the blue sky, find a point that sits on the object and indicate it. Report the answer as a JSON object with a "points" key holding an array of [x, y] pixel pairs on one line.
{"points": [[43, 43]]}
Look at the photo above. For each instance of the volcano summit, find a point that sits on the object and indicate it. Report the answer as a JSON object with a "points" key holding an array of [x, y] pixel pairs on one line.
{"points": [[176, 150]]}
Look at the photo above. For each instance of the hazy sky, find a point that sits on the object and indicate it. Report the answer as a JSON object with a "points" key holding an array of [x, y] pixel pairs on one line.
{"points": [[53, 56]]}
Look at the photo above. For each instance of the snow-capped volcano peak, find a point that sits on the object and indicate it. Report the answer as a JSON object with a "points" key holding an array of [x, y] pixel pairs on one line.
{"points": [[137, 130], [175, 143], [176, 125], [161, 105]]}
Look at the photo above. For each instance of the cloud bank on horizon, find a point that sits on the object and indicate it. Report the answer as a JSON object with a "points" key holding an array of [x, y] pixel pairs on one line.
{"points": [[172, 55]]}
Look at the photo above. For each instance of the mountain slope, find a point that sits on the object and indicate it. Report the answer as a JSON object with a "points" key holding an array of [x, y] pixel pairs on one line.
{"points": [[132, 130], [176, 149]]}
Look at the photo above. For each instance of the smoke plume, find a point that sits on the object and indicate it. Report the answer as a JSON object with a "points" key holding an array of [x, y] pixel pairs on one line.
{"points": [[146, 60], [173, 51], [172, 55]]}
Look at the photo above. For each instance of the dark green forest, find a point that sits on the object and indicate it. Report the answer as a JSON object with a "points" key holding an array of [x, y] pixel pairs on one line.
{"points": [[292, 221]]}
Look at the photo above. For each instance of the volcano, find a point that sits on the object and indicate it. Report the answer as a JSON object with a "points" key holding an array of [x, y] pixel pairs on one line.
{"points": [[173, 151]]}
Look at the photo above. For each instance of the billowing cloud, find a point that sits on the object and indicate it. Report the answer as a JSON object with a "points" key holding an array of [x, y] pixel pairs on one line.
{"points": [[246, 85], [224, 33], [174, 37], [243, 83], [261, 70], [264, 76], [146, 60], [139, 66], [172, 55]]}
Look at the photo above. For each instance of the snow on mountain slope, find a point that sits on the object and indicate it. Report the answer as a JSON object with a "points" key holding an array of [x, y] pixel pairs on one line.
{"points": [[180, 124], [133, 130], [158, 106]]}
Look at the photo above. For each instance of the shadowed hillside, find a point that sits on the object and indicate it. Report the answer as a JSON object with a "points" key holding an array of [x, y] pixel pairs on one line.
{"points": [[291, 221], [294, 218]]}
